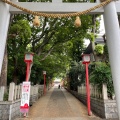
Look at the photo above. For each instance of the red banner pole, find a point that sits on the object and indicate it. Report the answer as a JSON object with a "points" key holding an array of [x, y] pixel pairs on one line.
{"points": [[44, 84], [88, 89], [27, 71]]}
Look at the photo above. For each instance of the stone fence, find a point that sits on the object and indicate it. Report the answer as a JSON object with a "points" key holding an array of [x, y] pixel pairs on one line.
{"points": [[95, 92], [10, 109], [100, 102]]}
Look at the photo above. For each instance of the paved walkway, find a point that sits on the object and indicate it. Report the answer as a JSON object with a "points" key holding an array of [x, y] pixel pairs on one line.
{"points": [[58, 104]]}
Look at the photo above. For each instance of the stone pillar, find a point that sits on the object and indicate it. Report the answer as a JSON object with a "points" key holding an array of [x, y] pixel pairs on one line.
{"points": [[11, 91], [16, 92], [4, 24], [90, 90], [20, 90], [57, 1], [31, 90], [35, 89], [104, 92], [84, 90], [2, 90], [95, 91], [80, 89], [113, 43]]}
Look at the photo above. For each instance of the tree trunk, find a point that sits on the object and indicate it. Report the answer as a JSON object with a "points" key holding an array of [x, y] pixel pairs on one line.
{"points": [[3, 77]]}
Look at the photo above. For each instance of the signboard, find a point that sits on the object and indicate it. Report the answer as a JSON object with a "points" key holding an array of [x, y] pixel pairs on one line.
{"points": [[25, 97]]}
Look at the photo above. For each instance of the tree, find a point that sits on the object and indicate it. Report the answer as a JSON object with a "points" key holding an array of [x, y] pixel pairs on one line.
{"points": [[18, 39], [76, 75], [51, 37], [48, 40], [57, 31]]}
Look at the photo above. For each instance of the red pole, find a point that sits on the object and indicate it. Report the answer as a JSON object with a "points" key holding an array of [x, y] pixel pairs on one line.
{"points": [[27, 71], [88, 89], [44, 84]]}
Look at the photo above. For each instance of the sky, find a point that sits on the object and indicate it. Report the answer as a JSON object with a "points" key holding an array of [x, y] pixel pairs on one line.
{"points": [[102, 31], [102, 28], [57, 80]]}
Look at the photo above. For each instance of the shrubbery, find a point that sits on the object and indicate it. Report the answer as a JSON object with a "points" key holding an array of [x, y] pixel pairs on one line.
{"points": [[102, 74]]}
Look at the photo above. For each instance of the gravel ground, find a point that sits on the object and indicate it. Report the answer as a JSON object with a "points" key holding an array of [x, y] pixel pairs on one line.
{"points": [[58, 104]]}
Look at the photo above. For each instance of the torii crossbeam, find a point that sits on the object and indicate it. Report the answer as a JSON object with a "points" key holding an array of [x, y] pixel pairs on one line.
{"points": [[58, 7], [112, 29]]}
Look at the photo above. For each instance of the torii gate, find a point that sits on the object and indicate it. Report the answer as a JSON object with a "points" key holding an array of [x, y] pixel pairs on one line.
{"points": [[112, 29]]}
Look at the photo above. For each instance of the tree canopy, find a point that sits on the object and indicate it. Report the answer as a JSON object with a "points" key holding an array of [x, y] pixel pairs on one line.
{"points": [[55, 44]]}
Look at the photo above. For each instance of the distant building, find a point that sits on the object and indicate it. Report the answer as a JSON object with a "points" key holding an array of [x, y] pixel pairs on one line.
{"points": [[91, 47]]}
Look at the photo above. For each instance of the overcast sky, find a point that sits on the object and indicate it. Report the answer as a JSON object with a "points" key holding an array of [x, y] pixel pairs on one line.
{"points": [[102, 31]]}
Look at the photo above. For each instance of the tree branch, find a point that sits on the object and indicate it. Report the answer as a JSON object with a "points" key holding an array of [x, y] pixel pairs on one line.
{"points": [[45, 42], [46, 55]]}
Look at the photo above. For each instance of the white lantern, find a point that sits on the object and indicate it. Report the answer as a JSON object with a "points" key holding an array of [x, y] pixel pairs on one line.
{"points": [[44, 72], [86, 58], [28, 57]]}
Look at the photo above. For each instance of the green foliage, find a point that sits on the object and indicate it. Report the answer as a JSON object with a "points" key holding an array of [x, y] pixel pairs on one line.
{"points": [[102, 74], [5, 96], [19, 37], [106, 53], [91, 37], [54, 65], [99, 49], [56, 42], [76, 75], [22, 30]]}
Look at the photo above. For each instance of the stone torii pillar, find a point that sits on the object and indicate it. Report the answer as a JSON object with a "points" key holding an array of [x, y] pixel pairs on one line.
{"points": [[113, 42], [4, 23]]}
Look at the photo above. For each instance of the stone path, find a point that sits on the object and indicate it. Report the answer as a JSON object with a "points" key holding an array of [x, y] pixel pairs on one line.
{"points": [[58, 104]]}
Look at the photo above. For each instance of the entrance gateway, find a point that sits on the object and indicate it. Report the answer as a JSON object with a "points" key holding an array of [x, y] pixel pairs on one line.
{"points": [[112, 28]]}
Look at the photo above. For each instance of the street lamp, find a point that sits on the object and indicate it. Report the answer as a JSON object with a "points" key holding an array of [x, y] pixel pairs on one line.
{"points": [[29, 60], [44, 73], [25, 96], [85, 58], [86, 61]]}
